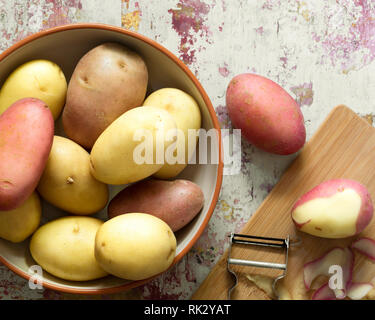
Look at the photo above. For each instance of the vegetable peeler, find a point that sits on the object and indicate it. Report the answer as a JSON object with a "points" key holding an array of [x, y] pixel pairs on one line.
{"points": [[282, 244]]}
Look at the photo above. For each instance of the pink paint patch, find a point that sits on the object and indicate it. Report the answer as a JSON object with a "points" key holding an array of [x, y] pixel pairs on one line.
{"points": [[188, 20], [269, 4], [259, 30], [170, 285], [60, 14], [266, 187], [138, 8], [284, 60], [52, 295], [315, 37], [304, 94], [208, 248], [221, 27], [224, 5], [224, 70], [152, 291], [223, 116], [349, 47]]}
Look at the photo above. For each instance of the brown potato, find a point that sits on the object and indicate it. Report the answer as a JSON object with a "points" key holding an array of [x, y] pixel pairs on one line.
{"points": [[175, 202], [108, 81]]}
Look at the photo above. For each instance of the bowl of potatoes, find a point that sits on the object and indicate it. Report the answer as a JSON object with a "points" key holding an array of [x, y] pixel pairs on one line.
{"points": [[111, 159]]}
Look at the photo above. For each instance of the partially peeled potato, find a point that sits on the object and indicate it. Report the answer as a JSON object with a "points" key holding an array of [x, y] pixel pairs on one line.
{"points": [[334, 209]]}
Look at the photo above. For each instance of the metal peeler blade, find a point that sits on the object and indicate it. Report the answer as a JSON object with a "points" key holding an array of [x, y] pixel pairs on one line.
{"points": [[257, 241]]}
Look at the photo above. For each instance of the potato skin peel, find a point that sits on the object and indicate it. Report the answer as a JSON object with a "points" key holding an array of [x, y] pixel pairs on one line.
{"points": [[324, 293], [264, 283], [343, 257], [365, 246]]}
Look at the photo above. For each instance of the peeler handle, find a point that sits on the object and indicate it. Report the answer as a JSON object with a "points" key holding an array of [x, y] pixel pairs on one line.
{"points": [[259, 264]]}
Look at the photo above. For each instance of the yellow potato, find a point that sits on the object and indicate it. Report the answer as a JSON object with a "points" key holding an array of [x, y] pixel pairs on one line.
{"points": [[127, 150], [41, 79], [18, 224], [67, 182], [135, 246], [185, 111], [65, 248]]}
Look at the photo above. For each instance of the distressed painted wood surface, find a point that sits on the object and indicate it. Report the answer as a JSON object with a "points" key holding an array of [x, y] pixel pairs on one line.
{"points": [[322, 52]]}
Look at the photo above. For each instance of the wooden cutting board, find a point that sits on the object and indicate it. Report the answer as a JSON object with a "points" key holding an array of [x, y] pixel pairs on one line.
{"points": [[343, 147]]}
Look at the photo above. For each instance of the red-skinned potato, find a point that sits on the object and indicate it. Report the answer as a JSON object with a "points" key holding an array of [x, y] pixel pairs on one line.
{"points": [[334, 209], [26, 134], [269, 118], [175, 202]]}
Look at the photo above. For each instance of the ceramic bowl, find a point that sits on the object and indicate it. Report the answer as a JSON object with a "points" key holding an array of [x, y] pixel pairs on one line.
{"points": [[65, 45]]}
